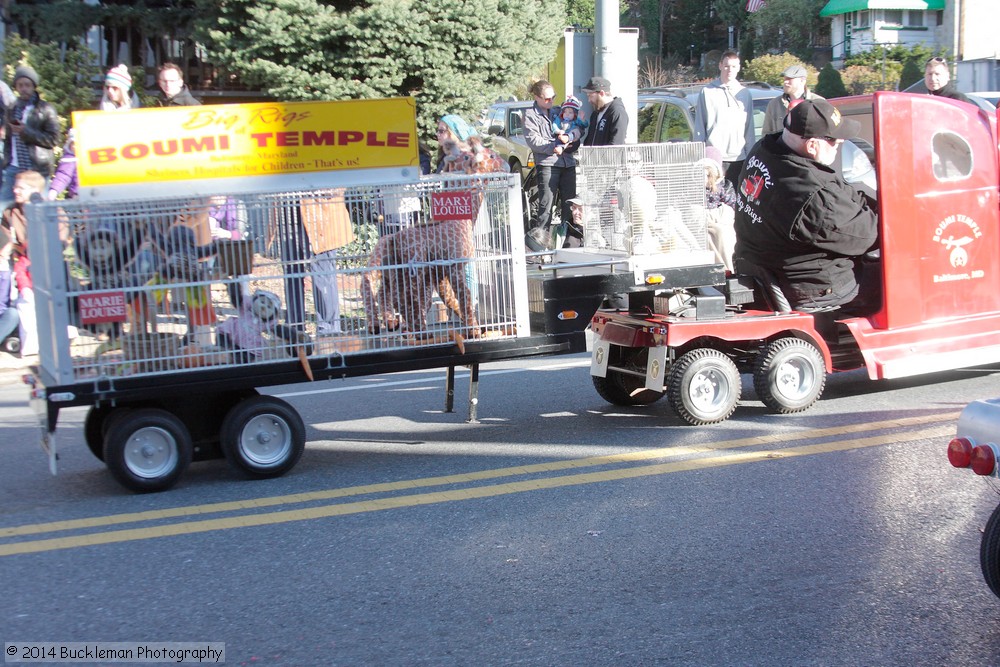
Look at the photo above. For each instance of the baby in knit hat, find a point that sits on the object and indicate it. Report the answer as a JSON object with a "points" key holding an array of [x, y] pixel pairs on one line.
{"points": [[118, 95], [570, 120]]}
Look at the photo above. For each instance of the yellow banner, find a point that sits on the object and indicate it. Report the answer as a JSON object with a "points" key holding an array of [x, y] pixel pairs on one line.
{"points": [[237, 140]]}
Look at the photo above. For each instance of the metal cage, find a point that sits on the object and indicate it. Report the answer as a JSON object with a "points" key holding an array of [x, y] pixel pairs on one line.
{"points": [[168, 284], [645, 200]]}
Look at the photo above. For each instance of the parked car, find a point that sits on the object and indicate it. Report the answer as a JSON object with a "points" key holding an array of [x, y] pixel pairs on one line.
{"points": [[503, 124], [667, 113], [991, 96], [974, 447]]}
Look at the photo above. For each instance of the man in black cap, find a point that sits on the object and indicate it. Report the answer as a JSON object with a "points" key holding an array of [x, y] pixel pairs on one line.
{"points": [[610, 120], [795, 88], [31, 126], [799, 224]]}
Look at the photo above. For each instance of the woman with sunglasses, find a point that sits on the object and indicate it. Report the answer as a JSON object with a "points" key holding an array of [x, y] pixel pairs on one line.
{"points": [[555, 164], [118, 95]]}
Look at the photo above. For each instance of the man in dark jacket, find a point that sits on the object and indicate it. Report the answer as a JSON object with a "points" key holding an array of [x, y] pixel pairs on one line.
{"points": [[610, 121], [800, 224], [31, 126], [937, 78], [175, 93]]}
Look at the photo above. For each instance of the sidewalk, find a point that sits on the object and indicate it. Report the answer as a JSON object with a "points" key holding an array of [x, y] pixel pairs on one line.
{"points": [[12, 368]]}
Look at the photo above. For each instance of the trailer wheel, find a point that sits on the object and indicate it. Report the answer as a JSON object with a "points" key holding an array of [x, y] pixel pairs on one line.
{"points": [[624, 389], [147, 449], [263, 436], [989, 552], [94, 428], [704, 387], [789, 375]]}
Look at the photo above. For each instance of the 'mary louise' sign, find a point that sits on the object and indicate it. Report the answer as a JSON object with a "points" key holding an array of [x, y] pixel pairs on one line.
{"points": [[239, 140], [454, 205], [102, 307]]}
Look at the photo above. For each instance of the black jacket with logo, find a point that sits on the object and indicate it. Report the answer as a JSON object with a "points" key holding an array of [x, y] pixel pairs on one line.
{"points": [[802, 221], [609, 129]]}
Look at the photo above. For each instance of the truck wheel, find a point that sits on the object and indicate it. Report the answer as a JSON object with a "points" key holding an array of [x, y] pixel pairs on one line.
{"points": [[704, 387], [263, 436], [624, 389], [989, 552], [789, 375], [147, 449]]}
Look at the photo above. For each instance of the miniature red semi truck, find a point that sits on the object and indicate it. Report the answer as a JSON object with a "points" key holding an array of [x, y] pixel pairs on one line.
{"points": [[936, 163]]}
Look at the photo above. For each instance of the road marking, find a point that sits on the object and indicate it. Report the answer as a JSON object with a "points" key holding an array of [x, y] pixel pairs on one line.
{"points": [[414, 500], [464, 478]]}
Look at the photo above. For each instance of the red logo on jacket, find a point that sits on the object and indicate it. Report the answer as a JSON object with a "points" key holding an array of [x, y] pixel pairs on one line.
{"points": [[751, 187]]}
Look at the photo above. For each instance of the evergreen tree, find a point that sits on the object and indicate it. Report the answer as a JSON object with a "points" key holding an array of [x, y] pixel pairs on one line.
{"points": [[788, 25], [830, 84], [453, 56], [912, 72]]}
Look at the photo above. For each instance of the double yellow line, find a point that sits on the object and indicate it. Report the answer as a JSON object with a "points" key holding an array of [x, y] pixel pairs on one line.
{"points": [[892, 432]]}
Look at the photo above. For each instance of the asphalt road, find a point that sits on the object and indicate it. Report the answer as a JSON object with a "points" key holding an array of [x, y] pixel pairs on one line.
{"points": [[557, 531]]}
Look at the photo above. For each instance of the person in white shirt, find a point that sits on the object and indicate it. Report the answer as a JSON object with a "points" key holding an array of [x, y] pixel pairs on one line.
{"points": [[724, 116]]}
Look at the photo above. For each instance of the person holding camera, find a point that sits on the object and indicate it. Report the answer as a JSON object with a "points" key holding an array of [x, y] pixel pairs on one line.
{"points": [[32, 130]]}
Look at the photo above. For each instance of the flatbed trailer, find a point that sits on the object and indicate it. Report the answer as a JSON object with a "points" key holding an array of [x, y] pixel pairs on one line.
{"points": [[165, 387]]}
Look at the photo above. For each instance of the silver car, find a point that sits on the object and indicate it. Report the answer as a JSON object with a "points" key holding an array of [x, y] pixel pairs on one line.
{"points": [[503, 123], [667, 113]]}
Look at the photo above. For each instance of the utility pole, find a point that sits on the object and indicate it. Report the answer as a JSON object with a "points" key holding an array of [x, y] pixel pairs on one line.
{"points": [[605, 37]]}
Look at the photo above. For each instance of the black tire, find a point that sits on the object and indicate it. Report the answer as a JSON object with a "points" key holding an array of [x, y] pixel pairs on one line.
{"points": [[95, 426], [263, 437], [789, 375], [12, 345], [147, 449], [704, 387], [989, 552], [624, 389]]}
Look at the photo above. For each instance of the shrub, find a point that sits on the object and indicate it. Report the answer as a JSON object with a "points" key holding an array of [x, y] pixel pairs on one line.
{"points": [[769, 68], [829, 83]]}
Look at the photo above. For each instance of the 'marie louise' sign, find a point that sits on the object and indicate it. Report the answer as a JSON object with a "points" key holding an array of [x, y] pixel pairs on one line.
{"points": [[102, 307], [454, 205]]}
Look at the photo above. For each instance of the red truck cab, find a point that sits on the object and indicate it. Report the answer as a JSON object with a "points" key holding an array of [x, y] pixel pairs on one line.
{"points": [[939, 218]]}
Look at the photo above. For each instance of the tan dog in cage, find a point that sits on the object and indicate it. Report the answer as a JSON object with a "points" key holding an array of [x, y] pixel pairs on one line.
{"points": [[407, 285]]}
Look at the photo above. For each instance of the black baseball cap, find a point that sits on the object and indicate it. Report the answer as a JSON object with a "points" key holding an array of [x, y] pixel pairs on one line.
{"points": [[597, 83], [819, 118]]}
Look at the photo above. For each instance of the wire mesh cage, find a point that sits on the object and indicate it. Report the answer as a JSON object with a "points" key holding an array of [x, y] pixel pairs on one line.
{"points": [[175, 283], [646, 199]]}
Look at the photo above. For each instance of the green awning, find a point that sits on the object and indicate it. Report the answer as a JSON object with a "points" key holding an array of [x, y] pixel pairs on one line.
{"points": [[835, 7]]}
